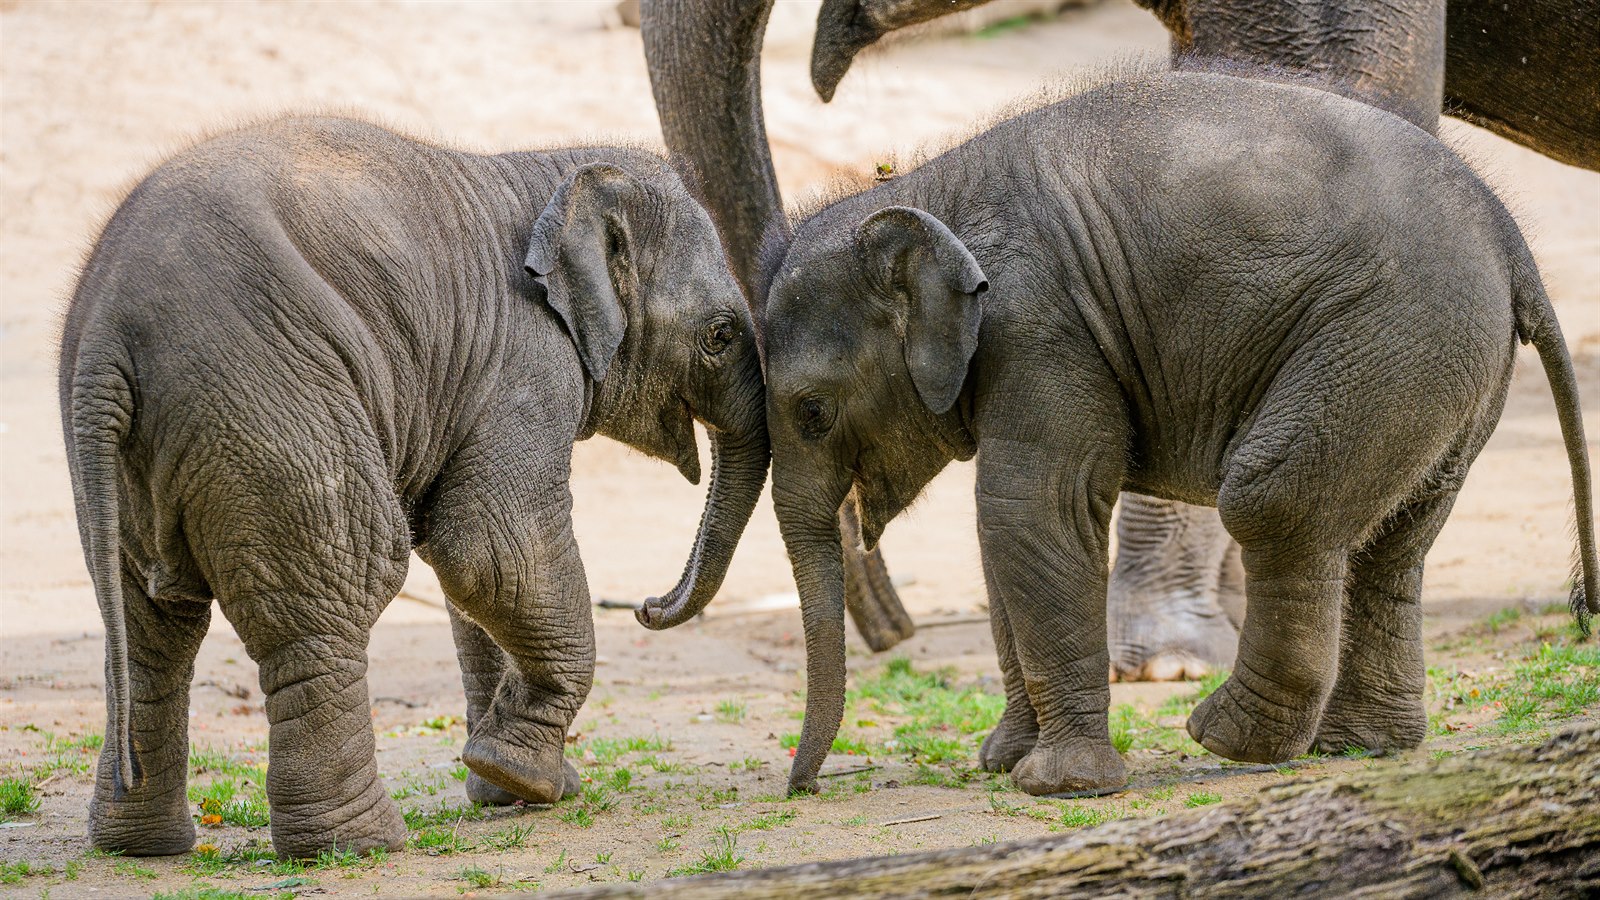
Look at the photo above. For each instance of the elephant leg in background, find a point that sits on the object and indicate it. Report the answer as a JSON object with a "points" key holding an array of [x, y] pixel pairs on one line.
{"points": [[1015, 735], [499, 536], [1377, 701], [869, 594], [151, 818], [1166, 615], [483, 665]]}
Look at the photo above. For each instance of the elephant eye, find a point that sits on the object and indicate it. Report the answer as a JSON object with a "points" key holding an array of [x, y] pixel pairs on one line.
{"points": [[816, 417], [717, 336]]}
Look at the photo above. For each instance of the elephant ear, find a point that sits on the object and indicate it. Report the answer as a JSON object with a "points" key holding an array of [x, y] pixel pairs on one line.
{"points": [[579, 254], [928, 266]]}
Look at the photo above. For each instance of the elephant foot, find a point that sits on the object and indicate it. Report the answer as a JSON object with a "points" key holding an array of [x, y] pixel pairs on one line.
{"points": [[1011, 740], [530, 775], [1176, 647], [1237, 723], [370, 822], [159, 827], [483, 793], [1078, 766], [1382, 724]]}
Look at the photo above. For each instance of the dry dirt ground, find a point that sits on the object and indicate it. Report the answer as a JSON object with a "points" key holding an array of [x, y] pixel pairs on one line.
{"points": [[683, 739]]}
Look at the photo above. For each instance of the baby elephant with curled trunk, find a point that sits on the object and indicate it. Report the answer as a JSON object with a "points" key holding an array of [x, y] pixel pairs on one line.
{"points": [[1244, 293], [300, 351]]}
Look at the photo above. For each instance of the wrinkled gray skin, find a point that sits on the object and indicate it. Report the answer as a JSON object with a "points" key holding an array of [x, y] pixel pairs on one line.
{"points": [[1226, 291], [300, 351], [1530, 72]]}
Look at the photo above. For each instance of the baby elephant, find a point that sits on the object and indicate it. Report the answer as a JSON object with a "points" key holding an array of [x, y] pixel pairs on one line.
{"points": [[301, 350], [1252, 294]]}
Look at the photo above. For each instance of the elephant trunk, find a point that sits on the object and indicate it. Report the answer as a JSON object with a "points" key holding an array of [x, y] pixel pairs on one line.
{"points": [[704, 58], [738, 472], [846, 27], [810, 527]]}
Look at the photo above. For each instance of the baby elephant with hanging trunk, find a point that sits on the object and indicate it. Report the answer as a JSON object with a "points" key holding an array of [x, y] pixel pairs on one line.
{"points": [[302, 350], [1251, 294]]}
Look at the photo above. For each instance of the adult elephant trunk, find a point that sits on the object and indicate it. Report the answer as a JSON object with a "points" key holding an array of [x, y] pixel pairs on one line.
{"points": [[808, 518], [738, 472], [846, 27], [704, 58]]}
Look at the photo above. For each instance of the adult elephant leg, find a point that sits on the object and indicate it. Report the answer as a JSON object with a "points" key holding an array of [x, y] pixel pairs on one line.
{"points": [[151, 817], [1165, 618], [1377, 701], [869, 594], [483, 665], [499, 535]]}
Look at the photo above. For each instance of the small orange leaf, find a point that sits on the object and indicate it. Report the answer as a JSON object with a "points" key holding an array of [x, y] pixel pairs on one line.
{"points": [[211, 820]]}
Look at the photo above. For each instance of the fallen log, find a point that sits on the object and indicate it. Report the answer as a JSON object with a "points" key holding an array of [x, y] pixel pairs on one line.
{"points": [[1514, 822]]}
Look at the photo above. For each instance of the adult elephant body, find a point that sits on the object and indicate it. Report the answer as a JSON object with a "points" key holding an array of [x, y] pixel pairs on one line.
{"points": [[1529, 72], [300, 351]]}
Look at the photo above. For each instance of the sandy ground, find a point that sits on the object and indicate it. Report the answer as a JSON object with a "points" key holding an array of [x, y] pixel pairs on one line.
{"points": [[92, 95]]}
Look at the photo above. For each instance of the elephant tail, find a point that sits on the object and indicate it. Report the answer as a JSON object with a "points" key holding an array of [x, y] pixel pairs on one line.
{"points": [[1536, 324], [100, 416]]}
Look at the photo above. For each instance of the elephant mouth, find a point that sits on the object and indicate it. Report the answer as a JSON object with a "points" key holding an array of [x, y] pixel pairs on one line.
{"points": [[687, 457]]}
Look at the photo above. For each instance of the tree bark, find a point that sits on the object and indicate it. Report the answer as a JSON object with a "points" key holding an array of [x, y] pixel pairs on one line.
{"points": [[1514, 822]]}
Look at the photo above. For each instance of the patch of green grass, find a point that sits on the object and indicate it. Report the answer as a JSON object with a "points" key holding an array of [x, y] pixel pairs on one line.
{"points": [[443, 814], [678, 822], [603, 857], [605, 751], [1500, 619], [661, 766], [1131, 729], [748, 764], [439, 841], [231, 800], [932, 777], [1075, 816], [1201, 798], [15, 872], [577, 816], [769, 820], [854, 821], [418, 785], [73, 755], [558, 864], [731, 711], [1184, 704], [133, 870], [944, 721], [217, 761], [722, 856], [668, 844], [597, 796], [211, 892], [16, 798], [1552, 680], [478, 878], [511, 837], [460, 773]]}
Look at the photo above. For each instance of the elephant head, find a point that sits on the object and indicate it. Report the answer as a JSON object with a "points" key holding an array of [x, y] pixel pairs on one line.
{"points": [[632, 267], [873, 323]]}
